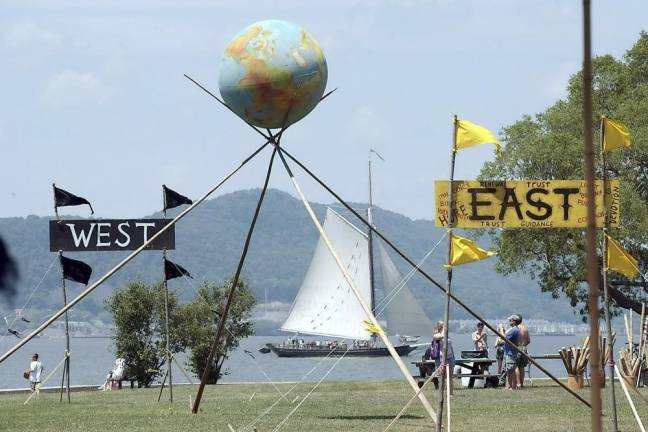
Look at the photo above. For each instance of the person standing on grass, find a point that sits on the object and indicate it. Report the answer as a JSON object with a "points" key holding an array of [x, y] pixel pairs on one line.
{"points": [[510, 354], [438, 336], [522, 361], [35, 371]]}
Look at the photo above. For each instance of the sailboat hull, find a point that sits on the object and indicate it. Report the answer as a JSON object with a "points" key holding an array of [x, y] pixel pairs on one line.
{"points": [[283, 351]]}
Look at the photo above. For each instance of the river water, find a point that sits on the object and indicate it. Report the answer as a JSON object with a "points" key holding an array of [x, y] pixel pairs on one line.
{"points": [[93, 357]]}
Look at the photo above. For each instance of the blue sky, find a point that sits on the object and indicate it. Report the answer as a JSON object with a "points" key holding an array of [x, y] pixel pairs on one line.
{"points": [[94, 97]]}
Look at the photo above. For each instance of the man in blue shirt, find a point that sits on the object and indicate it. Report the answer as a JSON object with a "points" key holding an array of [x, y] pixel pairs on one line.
{"points": [[510, 354]]}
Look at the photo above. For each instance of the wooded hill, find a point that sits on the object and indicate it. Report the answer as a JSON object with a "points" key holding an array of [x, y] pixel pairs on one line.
{"points": [[209, 242]]}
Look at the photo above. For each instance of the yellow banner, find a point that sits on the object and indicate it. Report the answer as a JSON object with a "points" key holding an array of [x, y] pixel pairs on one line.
{"points": [[524, 203]]}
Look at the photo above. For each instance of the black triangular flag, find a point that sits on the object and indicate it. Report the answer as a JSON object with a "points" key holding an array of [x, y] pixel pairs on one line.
{"points": [[173, 199], [76, 271], [64, 198], [173, 270]]}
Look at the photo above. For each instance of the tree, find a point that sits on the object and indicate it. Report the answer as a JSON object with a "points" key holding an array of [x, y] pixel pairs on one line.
{"points": [[203, 316], [140, 335], [550, 146]]}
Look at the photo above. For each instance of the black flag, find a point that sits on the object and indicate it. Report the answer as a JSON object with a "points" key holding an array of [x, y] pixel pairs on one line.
{"points": [[173, 270], [173, 198], [64, 198], [76, 271]]}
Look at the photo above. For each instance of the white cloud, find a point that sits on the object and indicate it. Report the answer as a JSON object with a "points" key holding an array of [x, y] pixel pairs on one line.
{"points": [[71, 89], [27, 35]]}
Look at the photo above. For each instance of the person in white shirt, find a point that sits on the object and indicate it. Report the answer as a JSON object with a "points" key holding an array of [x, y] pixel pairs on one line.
{"points": [[35, 371], [480, 338]]}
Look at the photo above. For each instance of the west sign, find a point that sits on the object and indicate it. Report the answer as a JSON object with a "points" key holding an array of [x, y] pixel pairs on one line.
{"points": [[524, 203], [109, 234]]}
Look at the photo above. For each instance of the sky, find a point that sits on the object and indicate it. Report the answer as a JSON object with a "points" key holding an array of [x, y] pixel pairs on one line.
{"points": [[94, 97]]}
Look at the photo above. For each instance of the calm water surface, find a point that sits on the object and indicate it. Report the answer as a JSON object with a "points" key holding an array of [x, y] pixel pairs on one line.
{"points": [[93, 357]]}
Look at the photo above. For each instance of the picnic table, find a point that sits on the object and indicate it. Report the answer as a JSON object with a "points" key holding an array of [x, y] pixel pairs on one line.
{"points": [[478, 368]]}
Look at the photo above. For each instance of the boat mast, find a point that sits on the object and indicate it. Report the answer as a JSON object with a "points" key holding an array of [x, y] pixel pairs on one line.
{"points": [[370, 236]]}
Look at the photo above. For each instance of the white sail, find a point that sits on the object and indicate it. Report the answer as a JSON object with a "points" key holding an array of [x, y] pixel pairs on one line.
{"points": [[325, 304], [403, 313]]}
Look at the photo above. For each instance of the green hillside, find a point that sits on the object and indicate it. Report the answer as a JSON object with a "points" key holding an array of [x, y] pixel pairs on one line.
{"points": [[209, 242]]}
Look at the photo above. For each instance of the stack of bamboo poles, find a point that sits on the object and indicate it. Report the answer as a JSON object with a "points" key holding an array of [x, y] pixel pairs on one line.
{"points": [[575, 360], [631, 360]]}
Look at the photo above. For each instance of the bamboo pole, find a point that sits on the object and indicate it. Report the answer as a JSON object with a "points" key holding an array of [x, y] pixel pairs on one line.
{"points": [[431, 279], [126, 260], [352, 285], [632, 406], [232, 291], [446, 320], [592, 265]]}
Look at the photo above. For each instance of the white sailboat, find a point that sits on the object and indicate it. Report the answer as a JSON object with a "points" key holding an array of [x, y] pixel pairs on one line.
{"points": [[325, 305]]}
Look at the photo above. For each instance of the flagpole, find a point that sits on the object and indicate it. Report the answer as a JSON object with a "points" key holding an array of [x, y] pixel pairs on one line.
{"points": [[370, 242], [606, 298], [166, 324], [66, 365], [592, 264], [439, 424]]}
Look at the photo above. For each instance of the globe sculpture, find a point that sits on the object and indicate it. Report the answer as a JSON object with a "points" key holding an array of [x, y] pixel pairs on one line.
{"points": [[272, 74]]}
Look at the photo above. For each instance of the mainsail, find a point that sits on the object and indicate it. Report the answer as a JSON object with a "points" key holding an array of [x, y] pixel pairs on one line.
{"points": [[325, 304], [403, 313]]}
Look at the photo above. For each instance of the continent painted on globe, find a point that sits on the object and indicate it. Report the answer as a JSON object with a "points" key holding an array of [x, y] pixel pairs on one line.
{"points": [[273, 74]]}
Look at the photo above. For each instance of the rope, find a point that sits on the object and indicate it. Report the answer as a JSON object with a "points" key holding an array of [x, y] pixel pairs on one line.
{"points": [[267, 411], [32, 294], [38, 386], [310, 392], [392, 294], [435, 374]]}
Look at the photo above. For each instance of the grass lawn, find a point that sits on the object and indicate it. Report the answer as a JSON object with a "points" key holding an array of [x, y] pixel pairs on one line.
{"points": [[333, 406]]}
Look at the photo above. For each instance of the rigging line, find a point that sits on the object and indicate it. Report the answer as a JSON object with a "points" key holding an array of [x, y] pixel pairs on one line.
{"points": [[435, 374], [306, 375], [392, 294], [311, 391], [32, 294]]}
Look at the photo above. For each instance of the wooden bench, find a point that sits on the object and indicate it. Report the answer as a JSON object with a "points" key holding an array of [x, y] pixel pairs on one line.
{"points": [[112, 382], [478, 369]]}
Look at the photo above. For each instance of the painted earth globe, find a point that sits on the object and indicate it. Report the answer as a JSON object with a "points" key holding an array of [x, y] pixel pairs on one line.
{"points": [[272, 74]]}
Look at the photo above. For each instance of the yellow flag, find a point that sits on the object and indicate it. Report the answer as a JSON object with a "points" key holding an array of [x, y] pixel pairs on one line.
{"points": [[465, 251], [470, 134], [372, 328], [619, 260], [615, 135]]}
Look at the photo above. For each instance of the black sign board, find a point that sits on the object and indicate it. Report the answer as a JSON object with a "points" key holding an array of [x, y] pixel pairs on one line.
{"points": [[109, 234]]}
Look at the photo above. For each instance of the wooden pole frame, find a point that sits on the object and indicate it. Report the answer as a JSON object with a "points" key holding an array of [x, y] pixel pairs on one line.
{"points": [[430, 278], [606, 297], [399, 362], [592, 259]]}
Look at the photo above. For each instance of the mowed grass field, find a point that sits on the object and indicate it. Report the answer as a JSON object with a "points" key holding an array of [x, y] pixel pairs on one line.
{"points": [[333, 406]]}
